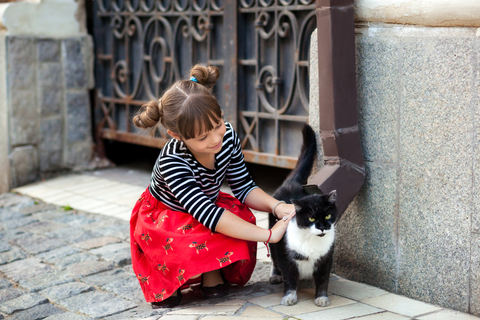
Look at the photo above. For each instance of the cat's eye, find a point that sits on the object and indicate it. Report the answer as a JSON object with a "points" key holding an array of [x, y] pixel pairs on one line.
{"points": [[311, 219], [328, 217]]}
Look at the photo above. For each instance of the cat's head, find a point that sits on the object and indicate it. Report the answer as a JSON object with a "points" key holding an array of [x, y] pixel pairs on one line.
{"points": [[316, 212]]}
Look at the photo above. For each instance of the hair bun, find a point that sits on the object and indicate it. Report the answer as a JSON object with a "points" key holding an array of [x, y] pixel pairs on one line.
{"points": [[148, 115], [206, 76]]}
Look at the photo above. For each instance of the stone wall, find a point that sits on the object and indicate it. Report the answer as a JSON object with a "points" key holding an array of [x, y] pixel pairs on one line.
{"points": [[414, 227], [46, 71], [48, 105]]}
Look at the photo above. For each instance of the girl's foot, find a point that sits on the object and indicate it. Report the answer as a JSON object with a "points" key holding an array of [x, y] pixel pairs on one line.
{"points": [[170, 302], [213, 285]]}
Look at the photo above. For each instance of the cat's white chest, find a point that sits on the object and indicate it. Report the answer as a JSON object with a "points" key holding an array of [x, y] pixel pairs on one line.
{"points": [[307, 243]]}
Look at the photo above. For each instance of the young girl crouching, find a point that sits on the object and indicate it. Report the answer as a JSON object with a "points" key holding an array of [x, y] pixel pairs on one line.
{"points": [[183, 229]]}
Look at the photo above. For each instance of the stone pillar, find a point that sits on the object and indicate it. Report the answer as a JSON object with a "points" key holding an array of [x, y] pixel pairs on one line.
{"points": [[47, 107]]}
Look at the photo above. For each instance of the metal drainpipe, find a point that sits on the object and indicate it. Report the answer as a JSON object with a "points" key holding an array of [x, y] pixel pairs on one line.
{"points": [[344, 168]]}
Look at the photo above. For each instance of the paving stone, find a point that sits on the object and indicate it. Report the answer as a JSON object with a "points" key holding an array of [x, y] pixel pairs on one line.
{"points": [[63, 262], [22, 303], [35, 284], [119, 230], [77, 220], [66, 290], [12, 255], [4, 283], [26, 268], [106, 277], [50, 214], [17, 222], [39, 207], [208, 309], [42, 227], [8, 293], [67, 316], [96, 242], [87, 268], [4, 247], [39, 312], [15, 201], [126, 288], [73, 234], [57, 253], [119, 253], [9, 235], [38, 243], [6, 214], [96, 304]]}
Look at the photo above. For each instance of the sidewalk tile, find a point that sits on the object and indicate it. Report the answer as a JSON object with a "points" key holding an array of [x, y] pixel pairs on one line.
{"points": [[87, 204], [179, 317], [212, 310], [384, 316], [109, 209], [255, 311], [235, 317], [123, 215], [99, 188], [268, 300], [307, 306], [354, 290], [448, 315], [346, 312], [401, 305], [85, 185], [234, 302]]}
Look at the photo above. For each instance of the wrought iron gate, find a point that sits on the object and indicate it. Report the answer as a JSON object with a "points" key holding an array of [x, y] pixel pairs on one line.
{"points": [[260, 46]]}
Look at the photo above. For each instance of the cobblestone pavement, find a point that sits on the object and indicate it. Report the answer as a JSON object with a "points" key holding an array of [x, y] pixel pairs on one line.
{"points": [[58, 261]]}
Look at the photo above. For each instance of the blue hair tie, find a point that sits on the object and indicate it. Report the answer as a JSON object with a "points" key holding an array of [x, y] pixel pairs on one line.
{"points": [[194, 79]]}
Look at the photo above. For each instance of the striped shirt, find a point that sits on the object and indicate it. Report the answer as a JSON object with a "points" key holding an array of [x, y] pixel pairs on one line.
{"points": [[183, 184]]}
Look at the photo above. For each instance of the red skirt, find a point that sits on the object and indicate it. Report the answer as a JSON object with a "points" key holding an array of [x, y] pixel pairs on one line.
{"points": [[169, 247]]}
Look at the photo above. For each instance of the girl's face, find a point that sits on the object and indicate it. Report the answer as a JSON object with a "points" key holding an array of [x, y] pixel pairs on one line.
{"points": [[208, 142]]}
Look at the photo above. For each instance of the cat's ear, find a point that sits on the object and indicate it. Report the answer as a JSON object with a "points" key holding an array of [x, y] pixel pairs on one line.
{"points": [[297, 205], [332, 197]]}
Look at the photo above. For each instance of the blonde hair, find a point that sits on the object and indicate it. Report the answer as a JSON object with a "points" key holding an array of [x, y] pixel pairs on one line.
{"points": [[187, 108]]}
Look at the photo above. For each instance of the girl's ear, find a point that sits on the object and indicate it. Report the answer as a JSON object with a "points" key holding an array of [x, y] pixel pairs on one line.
{"points": [[174, 135]]}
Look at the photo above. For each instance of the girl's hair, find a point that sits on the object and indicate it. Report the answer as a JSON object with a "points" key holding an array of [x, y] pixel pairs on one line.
{"points": [[187, 108]]}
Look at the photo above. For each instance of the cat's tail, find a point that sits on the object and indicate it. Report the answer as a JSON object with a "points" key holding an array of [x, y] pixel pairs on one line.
{"points": [[302, 170]]}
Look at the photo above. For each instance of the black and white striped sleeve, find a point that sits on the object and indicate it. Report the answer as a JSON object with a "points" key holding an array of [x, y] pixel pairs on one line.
{"points": [[238, 177], [180, 179]]}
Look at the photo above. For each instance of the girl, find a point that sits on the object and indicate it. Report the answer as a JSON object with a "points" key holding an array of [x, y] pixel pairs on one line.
{"points": [[183, 230]]}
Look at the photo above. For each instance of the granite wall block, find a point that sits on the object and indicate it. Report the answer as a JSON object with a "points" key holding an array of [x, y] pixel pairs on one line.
{"points": [[436, 172], [21, 53], [78, 127], [48, 50], [475, 276], [378, 95], [366, 240], [23, 165], [74, 63], [24, 120]]}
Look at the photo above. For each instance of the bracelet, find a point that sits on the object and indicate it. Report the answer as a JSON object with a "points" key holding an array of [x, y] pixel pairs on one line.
{"points": [[265, 243], [276, 204]]}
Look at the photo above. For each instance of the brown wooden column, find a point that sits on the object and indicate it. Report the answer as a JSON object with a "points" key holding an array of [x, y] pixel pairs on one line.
{"points": [[344, 168]]}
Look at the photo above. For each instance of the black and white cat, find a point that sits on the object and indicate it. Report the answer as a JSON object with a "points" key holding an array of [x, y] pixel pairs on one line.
{"points": [[306, 249]]}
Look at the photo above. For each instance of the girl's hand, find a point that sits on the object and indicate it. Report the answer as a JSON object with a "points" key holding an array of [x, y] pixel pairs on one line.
{"points": [[279, 229], [284, 209]]}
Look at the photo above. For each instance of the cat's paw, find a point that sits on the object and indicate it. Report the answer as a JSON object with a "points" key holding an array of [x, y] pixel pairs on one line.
{"points": [[289, 299], [322, 301], [275, 279]]}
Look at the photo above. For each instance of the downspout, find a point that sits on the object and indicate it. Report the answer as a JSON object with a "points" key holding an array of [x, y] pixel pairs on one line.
{"points": [[344, 168]]}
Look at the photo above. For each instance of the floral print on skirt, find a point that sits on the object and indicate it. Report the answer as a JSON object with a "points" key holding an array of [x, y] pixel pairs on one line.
{"points": [[169, 247]]}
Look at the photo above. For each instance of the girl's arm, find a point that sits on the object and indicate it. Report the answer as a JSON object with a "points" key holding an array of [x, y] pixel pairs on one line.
{"points": [[235, 227], [259, 200]]}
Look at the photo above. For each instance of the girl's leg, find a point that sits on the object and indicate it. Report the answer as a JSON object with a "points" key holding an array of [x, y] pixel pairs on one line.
{"points": [[212, 278]]}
